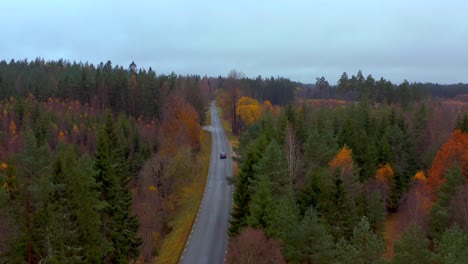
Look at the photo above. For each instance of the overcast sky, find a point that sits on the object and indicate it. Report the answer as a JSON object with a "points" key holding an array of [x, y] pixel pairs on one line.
{"points": [[415, 40]]}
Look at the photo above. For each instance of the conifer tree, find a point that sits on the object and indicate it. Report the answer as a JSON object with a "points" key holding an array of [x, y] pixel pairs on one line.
{"points": [[440, 214], [452, 248], [310, 242], [413, 247], [119, 226], [364, 247], [242, 194], [83, 207]]}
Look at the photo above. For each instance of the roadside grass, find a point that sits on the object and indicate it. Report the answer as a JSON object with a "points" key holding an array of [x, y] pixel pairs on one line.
{"points": [[190, 200]]}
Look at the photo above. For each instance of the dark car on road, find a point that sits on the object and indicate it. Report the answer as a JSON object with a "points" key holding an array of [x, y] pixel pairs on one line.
{"points": [[222, 155]]}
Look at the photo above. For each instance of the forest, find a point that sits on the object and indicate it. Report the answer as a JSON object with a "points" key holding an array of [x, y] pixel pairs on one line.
{"points": [[93, 158], [364, 172]]}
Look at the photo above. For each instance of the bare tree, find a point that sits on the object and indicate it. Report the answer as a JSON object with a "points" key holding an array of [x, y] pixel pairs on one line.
{"points": [[253, 247], [293, 161]]}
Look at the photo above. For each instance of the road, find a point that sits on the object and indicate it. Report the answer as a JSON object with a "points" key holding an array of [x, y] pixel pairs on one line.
{"points": [[207, 242]]}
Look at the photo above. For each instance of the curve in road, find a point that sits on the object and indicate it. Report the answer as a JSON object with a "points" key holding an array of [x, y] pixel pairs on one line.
{"points": [[207, 242]]}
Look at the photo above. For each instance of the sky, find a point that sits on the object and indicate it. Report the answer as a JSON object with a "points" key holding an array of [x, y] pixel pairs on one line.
{"points": [[421, 41]]}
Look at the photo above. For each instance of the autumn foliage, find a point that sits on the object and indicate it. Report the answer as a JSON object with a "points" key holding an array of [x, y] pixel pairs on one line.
{"points": [[455, 150], [248, 109], [181, 126], [385, 174], [343, 162]]}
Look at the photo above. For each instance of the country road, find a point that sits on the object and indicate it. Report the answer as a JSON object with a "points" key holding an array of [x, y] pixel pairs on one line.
{"points": [[207, 242]]}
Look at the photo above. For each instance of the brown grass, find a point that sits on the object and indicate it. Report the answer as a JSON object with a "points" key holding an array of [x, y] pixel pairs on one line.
{"points": [[189, 203]]}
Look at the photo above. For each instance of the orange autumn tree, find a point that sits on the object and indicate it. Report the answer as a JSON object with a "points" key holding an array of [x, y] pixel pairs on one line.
{"points": [[181, 126], [248, 109], [385, 180], [385, 174], [455, 150], [343, 163]]}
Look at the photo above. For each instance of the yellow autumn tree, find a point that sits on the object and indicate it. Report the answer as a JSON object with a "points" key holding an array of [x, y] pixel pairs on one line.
{"points": [[248, 109], [343, 163], [420, 176]]}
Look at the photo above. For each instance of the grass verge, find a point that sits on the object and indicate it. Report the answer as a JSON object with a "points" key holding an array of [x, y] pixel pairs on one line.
{"points": [[191, 196]]}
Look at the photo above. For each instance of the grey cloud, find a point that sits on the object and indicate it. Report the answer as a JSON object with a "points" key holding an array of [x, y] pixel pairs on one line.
{"points": [[414, 40]]}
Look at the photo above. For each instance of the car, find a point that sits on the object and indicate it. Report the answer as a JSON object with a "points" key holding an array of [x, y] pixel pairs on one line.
{"points": [[222, 155]]}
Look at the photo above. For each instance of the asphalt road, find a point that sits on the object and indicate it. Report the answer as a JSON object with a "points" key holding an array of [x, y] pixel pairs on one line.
{"points": [[207, 242]]}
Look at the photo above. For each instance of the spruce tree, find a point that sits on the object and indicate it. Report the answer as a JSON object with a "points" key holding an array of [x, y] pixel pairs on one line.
{"points": [[440, 214], [272, 168], [284, 218], [80, 197], [118, 225], [365, 246], [261, 205], [242, 194], [340, 210], [310, 242]]}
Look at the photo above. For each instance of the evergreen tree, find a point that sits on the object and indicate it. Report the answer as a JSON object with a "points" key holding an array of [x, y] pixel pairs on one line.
{"points": [[452, 248], [119, 226], [341, 212], [310, 242], [462, 123], [320, 147], [375, 212], [413, 247], [34, 205], [272, 169], [440, 214], [261, 205], [343, 85], [253, 154], [364, 247], [285, 217], [81, 200]]}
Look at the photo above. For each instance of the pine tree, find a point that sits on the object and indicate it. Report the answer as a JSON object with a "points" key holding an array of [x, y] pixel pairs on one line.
{"points": [[413, 247], [452, 248], [119, 226], [33, 204], [343, 85]]}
